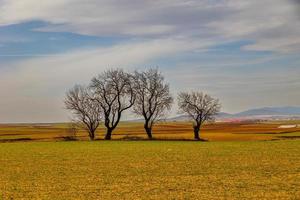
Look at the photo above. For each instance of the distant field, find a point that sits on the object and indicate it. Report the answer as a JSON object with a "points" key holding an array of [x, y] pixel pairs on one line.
{"points": [[240, 161], [150, 170], [245, 131]]}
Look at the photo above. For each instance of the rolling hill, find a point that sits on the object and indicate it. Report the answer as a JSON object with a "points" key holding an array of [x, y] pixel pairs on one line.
{"points": [[286, 112]]}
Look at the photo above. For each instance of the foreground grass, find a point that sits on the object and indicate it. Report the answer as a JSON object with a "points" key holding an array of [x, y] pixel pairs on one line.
{"points": [[150, 170]]}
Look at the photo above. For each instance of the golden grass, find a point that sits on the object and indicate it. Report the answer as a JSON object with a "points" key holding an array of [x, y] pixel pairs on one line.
{"points": [[164, 130], [243, 163], [150, 170]]}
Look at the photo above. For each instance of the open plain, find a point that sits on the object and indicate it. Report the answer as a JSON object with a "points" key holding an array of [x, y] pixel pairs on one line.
{"points": [[239, 161], [221, 131]]}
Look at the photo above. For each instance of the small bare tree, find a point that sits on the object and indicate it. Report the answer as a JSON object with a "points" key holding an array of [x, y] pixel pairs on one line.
{"points": [[72, 130], [200, 107], [153, 97], [113, 91], [85, 110]]}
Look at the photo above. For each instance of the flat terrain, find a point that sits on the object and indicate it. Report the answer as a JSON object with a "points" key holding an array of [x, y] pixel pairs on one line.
{"points": [[150, 170], [239, 161], [245, 131]]}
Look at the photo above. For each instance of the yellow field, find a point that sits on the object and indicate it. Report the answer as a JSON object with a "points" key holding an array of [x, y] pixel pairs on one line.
{"points": [[240, 161], [150, 170], [246, 131]]}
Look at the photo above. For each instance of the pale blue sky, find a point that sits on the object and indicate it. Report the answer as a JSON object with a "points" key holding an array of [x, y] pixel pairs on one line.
{"points": [[246, 53]]}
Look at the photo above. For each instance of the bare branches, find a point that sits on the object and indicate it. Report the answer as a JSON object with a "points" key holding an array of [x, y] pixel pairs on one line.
{"points": [[113, 91], [153, 98], [85, 110], [200, 107]]}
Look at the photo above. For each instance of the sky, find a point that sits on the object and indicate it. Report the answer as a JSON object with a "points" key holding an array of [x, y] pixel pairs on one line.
{"points": [[245, 53]]}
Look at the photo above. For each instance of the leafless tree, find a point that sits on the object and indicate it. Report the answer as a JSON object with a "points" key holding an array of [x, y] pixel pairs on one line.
{"points": [[113, 91], [153, 97], [72, 130], [85, 110], [200, 107]]}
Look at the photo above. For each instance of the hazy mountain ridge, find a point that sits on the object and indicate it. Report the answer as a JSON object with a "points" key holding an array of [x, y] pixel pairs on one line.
{"points": [[288, 110], [256, 113]]}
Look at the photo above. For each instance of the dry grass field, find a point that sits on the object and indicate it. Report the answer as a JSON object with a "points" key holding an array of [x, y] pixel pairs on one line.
{"points": [[150, 170], [244, 131], [239, 161]]}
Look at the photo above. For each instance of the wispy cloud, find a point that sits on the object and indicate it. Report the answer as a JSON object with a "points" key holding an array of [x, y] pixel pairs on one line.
{"points": [[272, 24], [193, 41], [39, 82]]}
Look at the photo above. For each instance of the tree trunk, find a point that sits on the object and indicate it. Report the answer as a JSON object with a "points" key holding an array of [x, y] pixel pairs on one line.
{"points": [[196, 132], [108, 134], [92, 135], [148, 130]]}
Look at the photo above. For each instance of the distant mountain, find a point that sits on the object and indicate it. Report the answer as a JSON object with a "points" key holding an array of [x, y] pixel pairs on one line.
{"points": [[187, 118], [179, 118], [224, 115], [288, 110]]}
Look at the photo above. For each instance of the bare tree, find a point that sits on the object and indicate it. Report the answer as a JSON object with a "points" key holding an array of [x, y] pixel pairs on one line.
{"points": [[200, 107], [85, 110], [113, 91], [72, 130], [153, 97]]}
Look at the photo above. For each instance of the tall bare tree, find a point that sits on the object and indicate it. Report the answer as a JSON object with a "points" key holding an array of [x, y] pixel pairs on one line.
{"points": [[200, 107], [113, 91], [85, 110], [153, 97]]}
